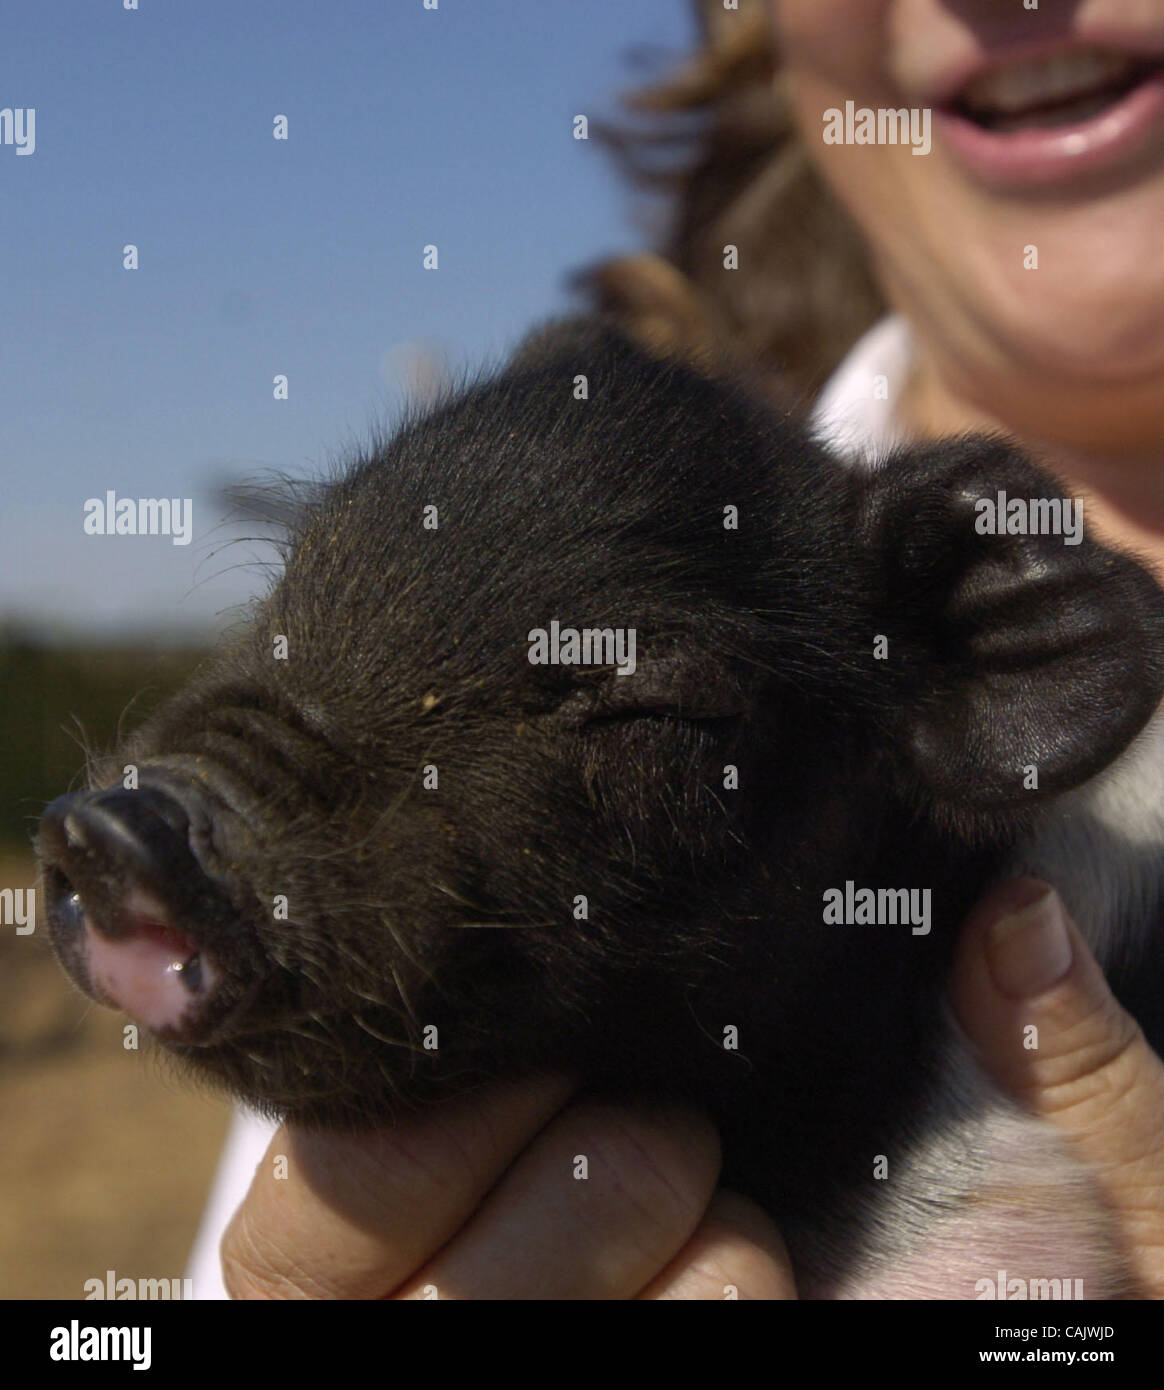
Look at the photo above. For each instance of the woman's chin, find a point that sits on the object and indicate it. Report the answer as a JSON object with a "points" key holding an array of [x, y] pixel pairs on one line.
{"points": [[1087, 347], [1091, 381]]}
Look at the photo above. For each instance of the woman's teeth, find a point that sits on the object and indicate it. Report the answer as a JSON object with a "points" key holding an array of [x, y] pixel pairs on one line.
{"points": [[1067, 88]]}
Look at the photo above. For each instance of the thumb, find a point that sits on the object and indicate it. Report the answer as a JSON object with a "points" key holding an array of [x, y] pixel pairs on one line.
{"points": [[1035, 1003]]}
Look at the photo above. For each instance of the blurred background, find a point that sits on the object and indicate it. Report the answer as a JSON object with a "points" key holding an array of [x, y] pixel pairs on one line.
{"points": [[256, 257]]}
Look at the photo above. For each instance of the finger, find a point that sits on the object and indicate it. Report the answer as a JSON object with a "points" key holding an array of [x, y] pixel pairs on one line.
{"points": [[736, 1252], [1034, 1001], [600, 1202], [357, 1213]]}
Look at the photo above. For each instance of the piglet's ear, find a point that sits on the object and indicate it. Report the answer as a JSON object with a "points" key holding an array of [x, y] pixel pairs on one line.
{"points": [[1048, 648]]}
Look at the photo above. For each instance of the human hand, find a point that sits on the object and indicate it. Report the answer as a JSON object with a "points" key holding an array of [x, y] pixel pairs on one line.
{"points": [[479, 1199], [1022, 961]]}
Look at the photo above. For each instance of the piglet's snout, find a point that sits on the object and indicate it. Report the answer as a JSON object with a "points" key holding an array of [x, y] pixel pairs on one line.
{"points": [[124, 894]]}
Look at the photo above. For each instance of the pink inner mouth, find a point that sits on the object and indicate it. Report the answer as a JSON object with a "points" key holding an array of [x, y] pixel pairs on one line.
{"points": [[153, 971]]}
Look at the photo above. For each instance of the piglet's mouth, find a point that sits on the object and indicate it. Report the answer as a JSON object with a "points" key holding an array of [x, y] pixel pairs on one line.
{"points": [[150, 969], [134, 918]]}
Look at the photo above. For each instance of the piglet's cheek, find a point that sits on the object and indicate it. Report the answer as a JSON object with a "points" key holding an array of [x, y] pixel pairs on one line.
{"points": [[148, 974]]}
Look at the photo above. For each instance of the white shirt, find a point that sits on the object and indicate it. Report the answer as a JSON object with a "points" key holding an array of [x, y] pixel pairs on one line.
{"points": [[853, 416], [855, 413]]}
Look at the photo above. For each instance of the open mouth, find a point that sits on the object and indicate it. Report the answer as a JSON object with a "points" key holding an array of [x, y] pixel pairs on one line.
{"points": [[146, 966], [1064, 90], [1044, 121]]}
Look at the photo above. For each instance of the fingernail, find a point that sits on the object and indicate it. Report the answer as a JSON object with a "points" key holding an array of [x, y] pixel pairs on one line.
{"points": [[1029, 950]]}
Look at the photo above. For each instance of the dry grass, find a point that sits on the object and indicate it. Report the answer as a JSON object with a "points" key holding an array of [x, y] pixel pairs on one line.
{"points": [[105, 1158]]}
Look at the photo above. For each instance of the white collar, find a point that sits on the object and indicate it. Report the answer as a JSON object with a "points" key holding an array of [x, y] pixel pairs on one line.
{"points": [[854, 414]]}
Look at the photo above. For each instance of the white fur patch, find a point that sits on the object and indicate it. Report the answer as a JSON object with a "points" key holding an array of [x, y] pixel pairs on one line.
{"points": [[1102, 846]]}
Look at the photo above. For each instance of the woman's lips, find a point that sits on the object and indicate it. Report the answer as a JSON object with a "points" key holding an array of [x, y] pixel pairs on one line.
{"points": [[1049, 154]]}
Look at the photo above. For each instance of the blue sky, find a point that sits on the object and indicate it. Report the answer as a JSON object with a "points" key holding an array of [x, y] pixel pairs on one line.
{"points": [[258, 257]]}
